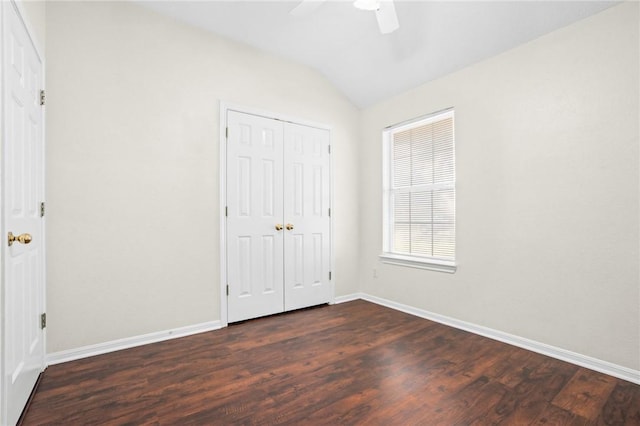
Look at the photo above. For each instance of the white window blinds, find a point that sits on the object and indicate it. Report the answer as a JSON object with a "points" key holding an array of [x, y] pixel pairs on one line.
{"points": [[420, 199]]}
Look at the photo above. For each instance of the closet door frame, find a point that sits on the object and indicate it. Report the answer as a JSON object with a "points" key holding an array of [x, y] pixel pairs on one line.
{"points": [[225, 107]]}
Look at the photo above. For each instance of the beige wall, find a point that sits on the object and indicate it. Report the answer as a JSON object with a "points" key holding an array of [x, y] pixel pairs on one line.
{"points": [[132, 178], [547, 191]]}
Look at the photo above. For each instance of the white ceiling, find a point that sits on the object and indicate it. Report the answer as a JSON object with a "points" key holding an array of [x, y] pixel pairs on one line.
{"points": [[344, 44]]}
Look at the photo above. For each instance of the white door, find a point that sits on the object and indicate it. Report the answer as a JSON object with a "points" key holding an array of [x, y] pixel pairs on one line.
{"points": [[307, 216], [254, 212], [23, 274], [278, 222]]}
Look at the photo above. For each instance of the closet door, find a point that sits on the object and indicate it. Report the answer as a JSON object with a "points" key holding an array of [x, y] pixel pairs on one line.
{"points": [[255, 211], [306, 216]]}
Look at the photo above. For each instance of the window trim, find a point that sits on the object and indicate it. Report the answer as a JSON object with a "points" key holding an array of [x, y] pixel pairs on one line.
{"points": [[429, 263], [387, 256]]}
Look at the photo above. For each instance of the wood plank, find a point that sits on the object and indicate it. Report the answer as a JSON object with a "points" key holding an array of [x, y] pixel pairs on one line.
{"points": [[552, 415], [622, 407], [470, 405], [586, 393], [353, 363], [531, 396]]}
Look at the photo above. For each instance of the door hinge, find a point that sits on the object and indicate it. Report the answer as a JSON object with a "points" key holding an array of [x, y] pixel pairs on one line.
{"points": [[329, 148], [226, 211], [226, 133], [43, 321], [42, 209], [329, 211], [227, 289], [329, 275], [42, 97]]}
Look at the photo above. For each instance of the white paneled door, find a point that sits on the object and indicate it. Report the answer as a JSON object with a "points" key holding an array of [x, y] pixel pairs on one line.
{"points": [[23, 251], [278, 218], [307, 216], [254, 210]]}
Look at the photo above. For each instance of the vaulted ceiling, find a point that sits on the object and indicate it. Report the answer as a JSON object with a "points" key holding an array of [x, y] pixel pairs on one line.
{"points": [[344, 43]]}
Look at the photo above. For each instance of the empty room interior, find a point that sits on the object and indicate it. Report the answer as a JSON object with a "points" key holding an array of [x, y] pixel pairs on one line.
{"points": [[320, 212]]}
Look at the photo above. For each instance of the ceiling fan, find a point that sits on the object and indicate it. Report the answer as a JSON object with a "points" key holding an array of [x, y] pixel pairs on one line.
{"points": [[385, 11]]}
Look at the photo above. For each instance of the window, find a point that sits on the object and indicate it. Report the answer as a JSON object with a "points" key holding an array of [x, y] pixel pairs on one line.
{"points": [[420, 194]]}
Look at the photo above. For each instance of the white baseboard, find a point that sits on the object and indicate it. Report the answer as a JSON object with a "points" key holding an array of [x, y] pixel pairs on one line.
{"points": [[129, 342], [347, 298], [541, 348]]}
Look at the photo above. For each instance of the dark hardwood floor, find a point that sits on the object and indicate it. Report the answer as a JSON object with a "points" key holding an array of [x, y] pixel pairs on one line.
{"points": [[353, 363]]}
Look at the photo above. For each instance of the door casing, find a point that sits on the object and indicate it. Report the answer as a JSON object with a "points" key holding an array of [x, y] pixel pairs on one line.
{"points": [[224, 108]]}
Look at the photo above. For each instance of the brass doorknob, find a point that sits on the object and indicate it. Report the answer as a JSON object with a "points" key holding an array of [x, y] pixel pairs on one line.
{"points": [[289, 226], [22, 238], [279, 227]]}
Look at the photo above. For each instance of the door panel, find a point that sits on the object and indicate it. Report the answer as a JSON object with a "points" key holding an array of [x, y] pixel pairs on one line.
{"points": [[306, 207], [24, 190], [255, 207]]}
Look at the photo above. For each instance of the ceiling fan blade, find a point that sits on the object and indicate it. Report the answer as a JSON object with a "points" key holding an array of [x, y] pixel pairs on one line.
{"points": [[306, 7], [387, 18]]}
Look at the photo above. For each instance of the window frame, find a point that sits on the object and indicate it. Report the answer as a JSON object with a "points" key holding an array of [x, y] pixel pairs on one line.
{"points": [[387, 255]]}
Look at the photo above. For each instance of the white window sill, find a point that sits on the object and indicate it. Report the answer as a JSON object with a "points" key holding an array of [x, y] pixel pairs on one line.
{"points": [[419, 262]]}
